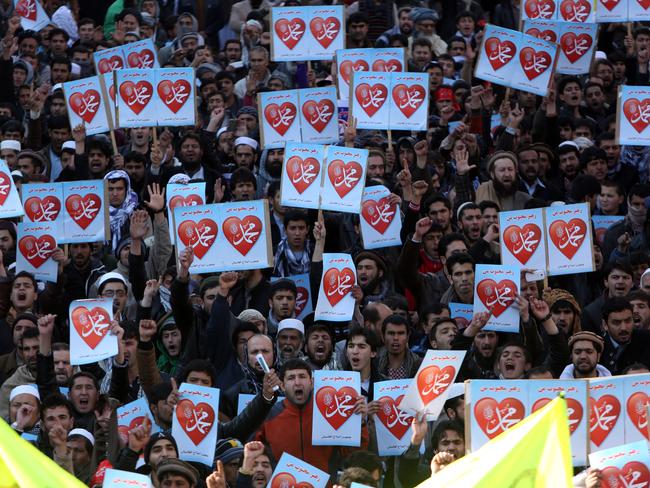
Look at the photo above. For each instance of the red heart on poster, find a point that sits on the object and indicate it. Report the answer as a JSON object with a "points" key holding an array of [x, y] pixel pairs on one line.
{"points": [[499, 52], [174, 94], [196, 420], [389, 66], [574, 47], [91, 325], [343, 176], [280, 117], [302, 295], [534, 63], [547, 35], [83, 210], [522, 241], [433, 382], [136, 95], [85, 104], [37, 251], [637, 112], [539, 9], [574, 411], [395, 420], [325, 30], [106, 65], [575, 10], [409, 98], [497, 297], [633, 473], [371, 98], [302, 172], [242, 233], [611, 4], [42, 210], [494, 418], [568, 236], [27, 9], [645, 4], [287, 480], [290, 31], [143, 59], [185, 201], [200, 235], [318, 114], [124, 430], [637, 411], [348, 67], [5, 187], [603, 416], [336, 406], [378, 213], [337, 284]]}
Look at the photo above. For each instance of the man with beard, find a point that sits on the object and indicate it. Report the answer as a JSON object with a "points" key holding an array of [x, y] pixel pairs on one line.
{"points": [[470, 221], [622, 236], [503, 184], [246, 153], [253, 382], [282, 303], [618, 283], [624, 174], [278, 212], [372, 277], [460, 268], [569, 161], [624, 345], [481, 346], [395, 360], [257, 468], [294, 252], [404, 26], [529, 176], [291, 338], [319, 346], [7, 242], [25, 374], [565, 310], [270, 169], [585, 348], [14, 358], [139, 141], [135, 164], [81, 273], [640, 301]]}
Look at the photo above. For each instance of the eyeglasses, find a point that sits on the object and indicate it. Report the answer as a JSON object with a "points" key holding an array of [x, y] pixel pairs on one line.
{"points": [[112, 294]]}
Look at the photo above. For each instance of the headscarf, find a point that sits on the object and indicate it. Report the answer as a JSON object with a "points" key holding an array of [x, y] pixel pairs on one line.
{"points": [[120, 215]]}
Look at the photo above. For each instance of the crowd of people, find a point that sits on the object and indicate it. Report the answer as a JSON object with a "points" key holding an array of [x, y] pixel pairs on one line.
{"points": [[449, 182]]}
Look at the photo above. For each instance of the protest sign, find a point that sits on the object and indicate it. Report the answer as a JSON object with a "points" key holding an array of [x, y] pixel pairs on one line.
{"points": [[43, 203], [182, 195], [301, 175], [494, 406], [538, 9], [522, 239], [10, 205], [293, 40], [381, 221], [90, 339], [242, 400], [198, 227], [141, 55], [303, 296], [495, 288], [85, 212], [115, 478], [134, 97], [86, 105], [109, 60], [132, 415], [633, 115], [293, 472], [318, 115], [498, 50], [638, 10], [32, 15], [606, 425], [369, 100], [575, 392], [462, 313], [548, 30], [577, 47], [429, 389], [627, 465], [612, 10], [569, 240], [535, 65], [278, 114], [349, 61], [409, 104], [636, 389], [175, 103], [334, 422], [344, 179], [577, 11], [335, 302], [392, 424], [194, 423], [36, 243], [602, 223]]}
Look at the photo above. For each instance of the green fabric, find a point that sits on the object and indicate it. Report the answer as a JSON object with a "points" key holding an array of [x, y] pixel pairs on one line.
{"points": [[109, 21]]}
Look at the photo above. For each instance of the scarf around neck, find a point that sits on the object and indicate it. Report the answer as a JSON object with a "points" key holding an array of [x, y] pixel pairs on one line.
{"points": [[120, 215]]}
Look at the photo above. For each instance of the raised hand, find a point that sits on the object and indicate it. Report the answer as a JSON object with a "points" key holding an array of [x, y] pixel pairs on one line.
{"points": [[422, 226], [156, 198], [147, 329], [185, 258]]}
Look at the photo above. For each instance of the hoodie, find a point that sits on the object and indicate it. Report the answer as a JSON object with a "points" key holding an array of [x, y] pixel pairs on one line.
{"points": [[264, 179], [165, 53]]}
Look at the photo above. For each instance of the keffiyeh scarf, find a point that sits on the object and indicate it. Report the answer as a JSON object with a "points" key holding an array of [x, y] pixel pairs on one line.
{"points": [[120, 215]]}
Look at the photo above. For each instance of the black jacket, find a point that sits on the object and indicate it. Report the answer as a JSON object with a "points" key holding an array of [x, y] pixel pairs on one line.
{"points": [[616, 359]]}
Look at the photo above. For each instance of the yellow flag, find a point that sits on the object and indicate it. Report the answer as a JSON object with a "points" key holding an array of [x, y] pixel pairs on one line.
{"points": [[535, 453], [23, 466]]}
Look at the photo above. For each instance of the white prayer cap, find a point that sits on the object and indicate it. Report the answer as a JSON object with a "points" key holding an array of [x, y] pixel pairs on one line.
{"points": [[291, 324], [69, 145], [221, 131], [24, 389], [112, 276], [58, 86], [10, 144], [247, 141], [181, 178], [456, 390], [600, 55], [82, 433]]}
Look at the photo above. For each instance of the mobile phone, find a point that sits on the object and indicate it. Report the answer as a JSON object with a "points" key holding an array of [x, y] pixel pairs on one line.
{"points": [[535, 275], [265, 367]]}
